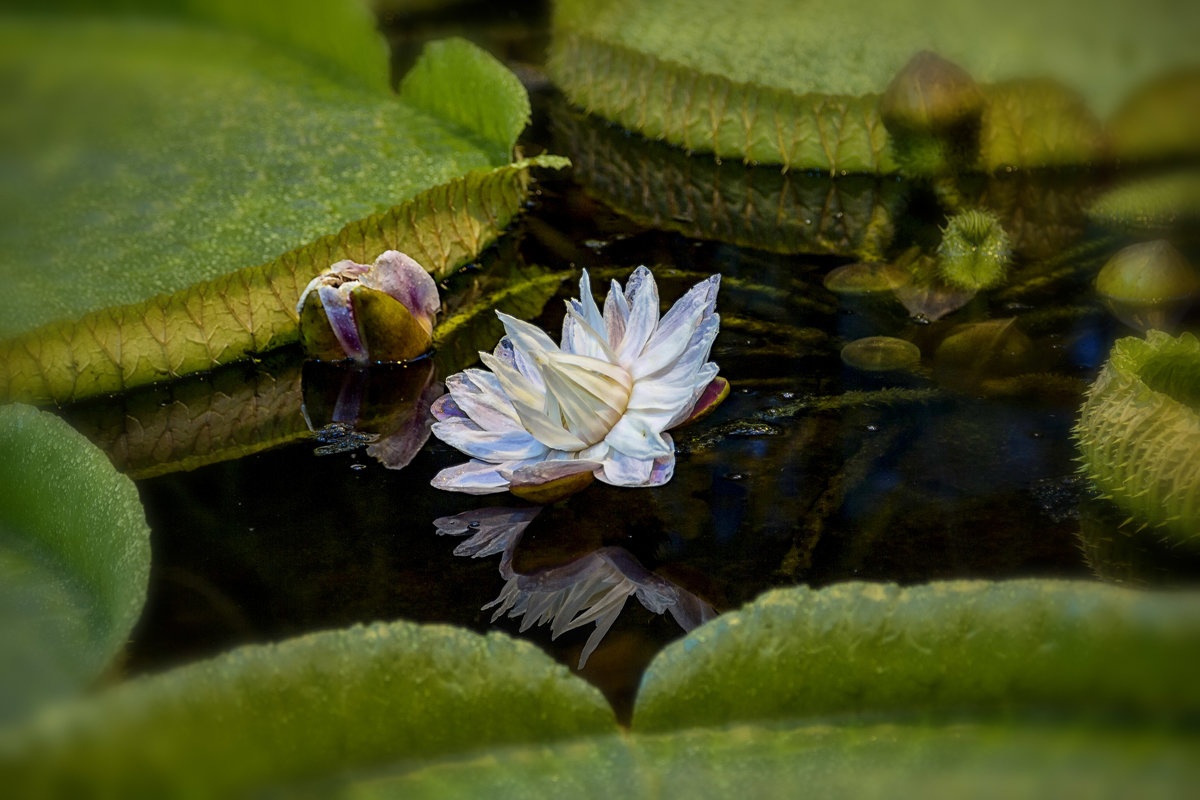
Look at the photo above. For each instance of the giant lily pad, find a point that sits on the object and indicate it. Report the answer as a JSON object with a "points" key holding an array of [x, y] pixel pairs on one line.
{"points": [[404, 710], [74, 560], [304, 709], [863, 648], [797, 83], [214, 168]]}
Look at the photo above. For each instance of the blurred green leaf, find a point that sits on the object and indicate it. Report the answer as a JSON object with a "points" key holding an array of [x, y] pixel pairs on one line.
{"points": [[868, 648], [797, 83], [304, 709], [890, 759], [74, 560]]}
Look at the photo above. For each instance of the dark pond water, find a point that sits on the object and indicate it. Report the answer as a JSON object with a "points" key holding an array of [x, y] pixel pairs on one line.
{"points": [[811, 472]]}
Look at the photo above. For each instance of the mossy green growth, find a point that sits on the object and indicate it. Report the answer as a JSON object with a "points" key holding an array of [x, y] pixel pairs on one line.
{"points": [[798, 83], [975, 251], [74, 560], [1139, 433]]}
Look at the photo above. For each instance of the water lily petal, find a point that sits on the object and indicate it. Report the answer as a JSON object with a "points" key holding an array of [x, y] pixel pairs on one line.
{"points": [[634, 437], [514, 383], [445, 408], [398, 450], [473, 477], [694, 355], [487, 409], [543, 471], [506, 351], [340, 311], [704, 378], [642, 294], [616, 312], [580, 338], [493, 446], [525, 336], [623, 470], [396, 274], [676, 329]]}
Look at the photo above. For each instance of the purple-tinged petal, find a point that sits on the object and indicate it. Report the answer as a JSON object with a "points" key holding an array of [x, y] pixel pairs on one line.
{"points": [[526, 337], [710, 397], [401, 447], [616, 312], [586, 305], [444, 408], [549, 481], [397, 275], [642, 294], [664, 466], [493, 446], [473, 477], [677, 328], [486, 409], [340, 311], [492, 530]]}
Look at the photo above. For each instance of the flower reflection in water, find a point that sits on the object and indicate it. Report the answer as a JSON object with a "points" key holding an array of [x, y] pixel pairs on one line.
{"points": [[592, 588], [384, 407]]}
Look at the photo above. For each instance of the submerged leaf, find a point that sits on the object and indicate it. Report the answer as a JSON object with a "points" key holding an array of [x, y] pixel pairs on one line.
{"points": [[74, 560]]}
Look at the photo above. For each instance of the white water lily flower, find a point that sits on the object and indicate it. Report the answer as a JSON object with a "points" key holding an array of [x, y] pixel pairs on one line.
{"points": [[601, 402]]}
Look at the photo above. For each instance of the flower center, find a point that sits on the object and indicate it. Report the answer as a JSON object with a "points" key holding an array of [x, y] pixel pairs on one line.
{"points": [[587, 394]]}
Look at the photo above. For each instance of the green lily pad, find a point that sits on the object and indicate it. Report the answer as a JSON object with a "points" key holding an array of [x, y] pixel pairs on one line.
{"points": [[307, 708], [901, 759], [876, 648], [74, 560], [797, 83], [163, 158]]}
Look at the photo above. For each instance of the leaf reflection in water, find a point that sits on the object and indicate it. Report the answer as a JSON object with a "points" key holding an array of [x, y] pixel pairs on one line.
{"points": [[592, 588]]}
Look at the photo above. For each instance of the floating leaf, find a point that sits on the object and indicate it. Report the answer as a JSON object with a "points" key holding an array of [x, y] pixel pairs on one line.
{"points": [[74, 560], [798, 83], [875, 648], [155, 157], [868, 760], [303, 709]]}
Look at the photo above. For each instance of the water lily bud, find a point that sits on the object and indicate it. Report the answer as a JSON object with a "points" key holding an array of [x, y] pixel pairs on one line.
{"points": [[1148, 285], [930, 94], [932, 109], [975, 251], [382, 312]]}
